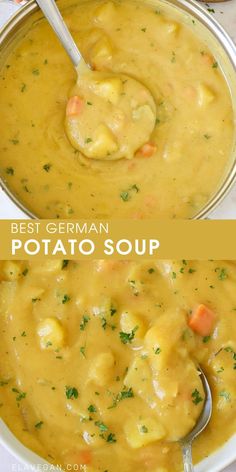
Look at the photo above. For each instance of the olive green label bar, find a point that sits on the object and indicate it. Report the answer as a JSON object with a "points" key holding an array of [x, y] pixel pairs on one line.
{"points": [[117, 239]]}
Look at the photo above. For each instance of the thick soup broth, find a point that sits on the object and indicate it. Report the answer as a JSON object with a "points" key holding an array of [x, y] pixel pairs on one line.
{"points": [[99, 360], [189, 150]]}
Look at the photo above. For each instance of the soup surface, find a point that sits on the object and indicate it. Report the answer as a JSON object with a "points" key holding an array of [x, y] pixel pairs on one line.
{"points": [[174, 174], [99, 359]]}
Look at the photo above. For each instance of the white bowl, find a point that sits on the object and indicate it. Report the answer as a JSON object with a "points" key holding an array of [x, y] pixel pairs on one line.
{"points": [[216, 462]]}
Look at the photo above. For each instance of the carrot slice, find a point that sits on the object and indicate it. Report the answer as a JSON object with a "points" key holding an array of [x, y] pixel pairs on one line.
{"points": [[82, 457], [202, 320], [147, 150], [74, 106]]}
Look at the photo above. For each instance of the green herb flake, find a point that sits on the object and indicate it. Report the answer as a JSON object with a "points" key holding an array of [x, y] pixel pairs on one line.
{"points": [[35, 72], [84, 322], [9, 171], [47, 167], [39, 425], [127, 338], [65, 299], [20, 395], [72, 393], [222, 273], [82, 351], [23, 88], [196, 397], [157, 351], [143, 429], [226, 395], [111, 438], [92, 409], [206, 339], [14, 141], [126, 195], [103, 428], [64, 264]]}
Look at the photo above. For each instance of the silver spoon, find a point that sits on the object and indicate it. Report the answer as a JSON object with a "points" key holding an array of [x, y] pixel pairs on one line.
{"points": [[199, 427], [53, 15]]}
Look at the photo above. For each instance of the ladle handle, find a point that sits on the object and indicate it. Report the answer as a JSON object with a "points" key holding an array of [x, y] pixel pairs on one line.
{"points": [[53, 15], [187, 457]]}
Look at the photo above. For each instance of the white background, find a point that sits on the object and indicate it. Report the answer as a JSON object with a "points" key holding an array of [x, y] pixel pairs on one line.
{"points": [[226, 14]]}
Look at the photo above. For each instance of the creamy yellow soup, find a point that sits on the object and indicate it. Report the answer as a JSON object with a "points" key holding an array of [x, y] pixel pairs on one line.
{"points": [[99, 360], [180, 167]]}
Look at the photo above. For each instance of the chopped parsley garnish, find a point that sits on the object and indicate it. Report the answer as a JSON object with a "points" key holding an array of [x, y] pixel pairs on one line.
{"points": [[144, 429], [23, 88], [65, 299], [23, 334], [205, 339], [196, 397], [84, 322], [222, 273], [103, 428], [14, 141], [92, 409], [82, 350], [151, 270], [64, 264], [25, 272], [127, 338], [39, 425], [3, 383], [111, 438], [88, 140], [113, 311], [126, 195], [133, 285], [10, 171], [125, 393], [226, 395], [174, 275], [35, 71], [47, 167], [71, 392], [20, 395], [157, 350]]}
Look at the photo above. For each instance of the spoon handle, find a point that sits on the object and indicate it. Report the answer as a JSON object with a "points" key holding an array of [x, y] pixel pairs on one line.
{"points": [[187, 457], [53, 15]]}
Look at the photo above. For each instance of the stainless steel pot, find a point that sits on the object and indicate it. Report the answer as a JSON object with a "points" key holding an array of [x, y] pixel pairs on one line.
{"points": [[195, 16]]}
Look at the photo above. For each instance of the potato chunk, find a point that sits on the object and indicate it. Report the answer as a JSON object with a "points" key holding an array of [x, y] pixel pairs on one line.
{"points": [[101, 52], [105, 12], [205, 95], [172, 27], [51, 334], [12, 270], [129, 321], [101, 370], [103, 143], [143, 432], [110, 89]]}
